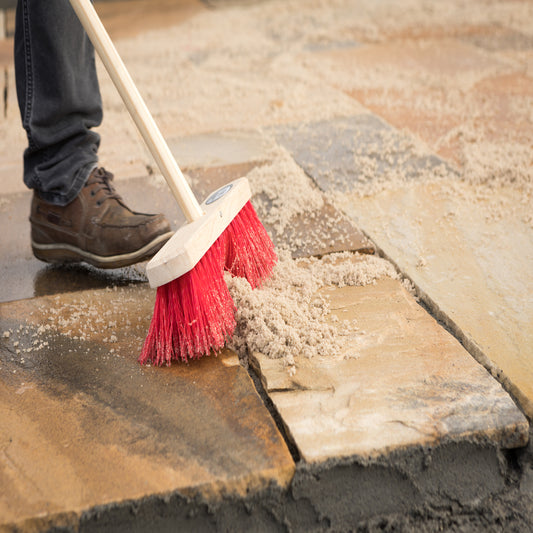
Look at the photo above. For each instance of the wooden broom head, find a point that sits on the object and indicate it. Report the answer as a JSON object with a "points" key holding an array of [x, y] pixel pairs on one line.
{"points": [[190, 243]]}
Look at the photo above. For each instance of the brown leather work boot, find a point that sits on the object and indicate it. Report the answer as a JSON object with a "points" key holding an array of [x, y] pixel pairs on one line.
{"points": [[97, 227]]}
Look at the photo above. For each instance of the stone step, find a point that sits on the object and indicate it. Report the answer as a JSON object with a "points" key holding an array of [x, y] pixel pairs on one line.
{"points": [[401, 418]]}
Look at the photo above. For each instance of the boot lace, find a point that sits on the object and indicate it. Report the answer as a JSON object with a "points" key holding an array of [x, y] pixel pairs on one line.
{"points": [[102, 179]]}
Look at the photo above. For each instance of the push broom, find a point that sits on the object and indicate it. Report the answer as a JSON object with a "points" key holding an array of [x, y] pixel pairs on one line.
{"points": [[194, 312]]}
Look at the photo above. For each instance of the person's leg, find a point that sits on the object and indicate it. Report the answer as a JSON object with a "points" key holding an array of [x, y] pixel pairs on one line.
{"points": [[59, 98], [76, 213]]}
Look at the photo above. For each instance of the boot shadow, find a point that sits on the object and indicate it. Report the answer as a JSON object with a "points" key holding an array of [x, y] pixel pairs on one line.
{"points": [[57, 279]]}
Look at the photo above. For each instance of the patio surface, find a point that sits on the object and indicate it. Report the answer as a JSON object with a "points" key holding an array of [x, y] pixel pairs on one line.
{"points": [[389, 154]]}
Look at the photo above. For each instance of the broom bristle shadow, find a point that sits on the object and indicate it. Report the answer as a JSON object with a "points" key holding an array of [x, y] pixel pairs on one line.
{"points": [[195, 313]]}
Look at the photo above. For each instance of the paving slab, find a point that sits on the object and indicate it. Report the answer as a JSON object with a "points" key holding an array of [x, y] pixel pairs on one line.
{"points": [[127, 18], [327, 151], [216, 149], [442, 58], [500, 38], [84, 425], [450, 120], [323, 231], [400, 381], [467, 249], [472, 261]]}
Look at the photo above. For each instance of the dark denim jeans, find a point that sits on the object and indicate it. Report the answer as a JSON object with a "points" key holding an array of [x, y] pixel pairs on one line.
{"points": [[59, 98]]}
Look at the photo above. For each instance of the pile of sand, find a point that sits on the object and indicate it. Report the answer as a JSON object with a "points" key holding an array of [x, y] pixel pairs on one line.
{"points": [[288, 317]]}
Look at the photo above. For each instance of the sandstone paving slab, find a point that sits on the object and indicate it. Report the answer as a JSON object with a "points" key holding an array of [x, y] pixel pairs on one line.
{"points": [[217, 149], [401, 381], [83, 424], [411, 63], [471, 257], [493, 110], [124, 18], [436, 56], [325, 231], [500, 38], [6, 51]]}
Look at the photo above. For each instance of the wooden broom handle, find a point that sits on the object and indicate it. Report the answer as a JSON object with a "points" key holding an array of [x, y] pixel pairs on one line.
{"points": [[137, 109]]}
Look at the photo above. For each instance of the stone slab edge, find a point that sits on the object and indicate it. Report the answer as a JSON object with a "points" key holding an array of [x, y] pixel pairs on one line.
{"points": [[336, 495]]}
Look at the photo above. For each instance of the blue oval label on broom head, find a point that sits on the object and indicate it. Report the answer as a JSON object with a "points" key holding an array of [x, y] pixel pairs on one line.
{"points": [[218, 194]]}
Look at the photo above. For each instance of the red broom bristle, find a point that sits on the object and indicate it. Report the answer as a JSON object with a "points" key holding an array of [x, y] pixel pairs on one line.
{"points": [[249, 250], [192, 314], [195, 312]]}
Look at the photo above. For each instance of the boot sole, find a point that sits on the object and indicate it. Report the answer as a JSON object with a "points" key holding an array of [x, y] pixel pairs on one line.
{"points": [[66, 253]]}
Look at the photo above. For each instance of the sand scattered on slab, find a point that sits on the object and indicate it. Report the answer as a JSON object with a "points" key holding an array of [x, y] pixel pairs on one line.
{"points": [[250, 66], [282, 190], [287, 318], [81, 318]]}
